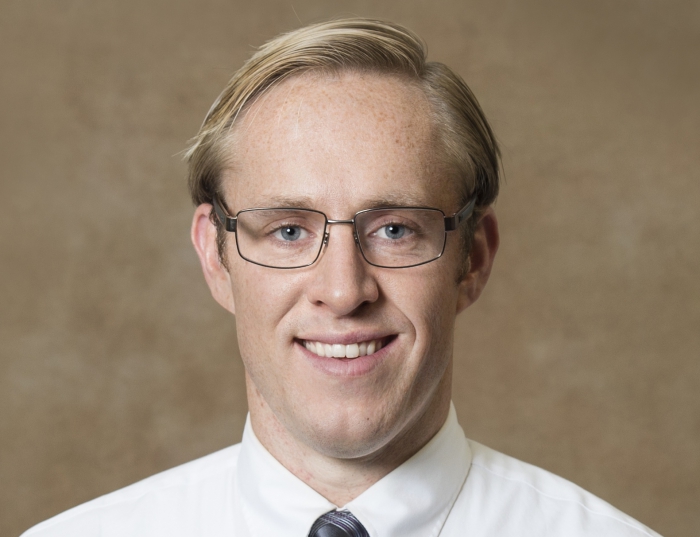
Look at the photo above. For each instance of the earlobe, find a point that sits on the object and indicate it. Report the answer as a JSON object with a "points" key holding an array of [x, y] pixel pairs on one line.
{"points": [[480, 260], [203, 235]]}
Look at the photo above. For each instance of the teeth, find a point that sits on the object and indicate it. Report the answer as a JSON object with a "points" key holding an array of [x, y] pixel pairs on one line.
{"points": [[338, 350], [371, 347]]}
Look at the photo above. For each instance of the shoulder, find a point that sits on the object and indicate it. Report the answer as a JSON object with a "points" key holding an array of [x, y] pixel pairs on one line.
{"points": [[510, 497], [163, 504]]}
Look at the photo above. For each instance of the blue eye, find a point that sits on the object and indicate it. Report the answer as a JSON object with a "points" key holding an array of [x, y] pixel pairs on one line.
{"points": [[392, 231], [290, 233]]}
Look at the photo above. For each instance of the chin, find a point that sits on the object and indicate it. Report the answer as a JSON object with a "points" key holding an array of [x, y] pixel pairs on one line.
{"points": [[352, 433], [341, 445]]}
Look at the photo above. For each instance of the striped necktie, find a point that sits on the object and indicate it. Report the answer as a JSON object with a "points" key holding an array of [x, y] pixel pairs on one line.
{"points": [[338, 524]]}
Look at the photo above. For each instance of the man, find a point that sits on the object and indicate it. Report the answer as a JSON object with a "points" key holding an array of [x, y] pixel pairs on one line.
{"points": [[343, 188]]}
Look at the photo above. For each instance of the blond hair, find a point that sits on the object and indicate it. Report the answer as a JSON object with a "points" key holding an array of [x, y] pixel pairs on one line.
{"points": [[352, 44]]}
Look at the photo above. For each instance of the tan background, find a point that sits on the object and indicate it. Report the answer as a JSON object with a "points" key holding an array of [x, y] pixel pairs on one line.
{"points": [[581, 357]]}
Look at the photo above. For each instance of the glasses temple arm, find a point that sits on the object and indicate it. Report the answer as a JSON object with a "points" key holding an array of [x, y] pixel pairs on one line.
{"points": [[453, 222], [229, 222]]}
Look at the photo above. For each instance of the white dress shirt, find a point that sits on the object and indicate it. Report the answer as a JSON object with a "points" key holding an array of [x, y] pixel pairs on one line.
{"points": [[452, 487]]}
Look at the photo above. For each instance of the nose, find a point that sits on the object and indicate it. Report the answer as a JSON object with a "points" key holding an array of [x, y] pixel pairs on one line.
{"points": [[342, 280]]}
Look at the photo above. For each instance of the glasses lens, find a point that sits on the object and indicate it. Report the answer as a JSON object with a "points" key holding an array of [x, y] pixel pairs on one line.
{"points": [[401, 237], [282, 238]]}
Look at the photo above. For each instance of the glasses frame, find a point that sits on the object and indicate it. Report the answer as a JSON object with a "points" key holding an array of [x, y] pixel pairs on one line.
{"points": [[452, 222]]}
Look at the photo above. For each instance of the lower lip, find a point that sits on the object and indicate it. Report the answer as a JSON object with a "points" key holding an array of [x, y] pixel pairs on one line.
{"points": [[347, 367]]}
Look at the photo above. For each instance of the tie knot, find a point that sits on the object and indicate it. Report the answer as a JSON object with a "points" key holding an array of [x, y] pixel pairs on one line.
{"points": [[338, 524]]}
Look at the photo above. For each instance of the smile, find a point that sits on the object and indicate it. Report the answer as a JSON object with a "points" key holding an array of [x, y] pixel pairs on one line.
{"points": [[337, 350]]}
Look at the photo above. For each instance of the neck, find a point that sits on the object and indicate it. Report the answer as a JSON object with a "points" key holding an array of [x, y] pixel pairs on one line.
{"points": [[342, 479]]}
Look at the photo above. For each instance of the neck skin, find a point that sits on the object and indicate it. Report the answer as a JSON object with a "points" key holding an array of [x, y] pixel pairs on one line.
{"points": [[341, 480]]}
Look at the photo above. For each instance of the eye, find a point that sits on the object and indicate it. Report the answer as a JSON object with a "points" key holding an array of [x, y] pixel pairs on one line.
{"points": [[391, 231], [290, 233]]}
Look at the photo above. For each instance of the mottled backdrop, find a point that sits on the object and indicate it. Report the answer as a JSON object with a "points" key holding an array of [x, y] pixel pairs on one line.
{"points": [[582, 356]]}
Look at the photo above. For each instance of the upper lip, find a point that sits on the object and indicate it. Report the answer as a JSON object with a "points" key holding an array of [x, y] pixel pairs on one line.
{"points": [[347, 338]]}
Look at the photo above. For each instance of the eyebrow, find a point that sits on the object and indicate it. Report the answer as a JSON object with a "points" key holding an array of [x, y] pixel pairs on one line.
{"points": [[396, 200], [306, 202], [301, 202]]}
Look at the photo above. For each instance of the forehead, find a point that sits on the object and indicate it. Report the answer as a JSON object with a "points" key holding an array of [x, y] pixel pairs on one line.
{"points": [[337, 141]]}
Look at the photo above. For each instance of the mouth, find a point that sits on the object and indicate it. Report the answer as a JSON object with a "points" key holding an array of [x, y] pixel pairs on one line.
{"points": [[350, 351]]}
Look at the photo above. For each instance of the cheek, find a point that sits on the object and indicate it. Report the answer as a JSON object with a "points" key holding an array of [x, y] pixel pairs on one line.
{"points": [[428, 299], [263, 298], [440, 326]]}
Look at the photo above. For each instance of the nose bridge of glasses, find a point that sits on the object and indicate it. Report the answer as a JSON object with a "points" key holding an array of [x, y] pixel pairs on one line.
{"points": [[346, 222]]}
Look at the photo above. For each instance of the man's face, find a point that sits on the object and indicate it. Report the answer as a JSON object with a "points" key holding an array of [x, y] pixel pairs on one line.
{"points": [[339, 145]]}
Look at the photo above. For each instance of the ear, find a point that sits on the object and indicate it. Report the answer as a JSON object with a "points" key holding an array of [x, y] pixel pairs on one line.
{"points": [[203, 236], [480, 260]]}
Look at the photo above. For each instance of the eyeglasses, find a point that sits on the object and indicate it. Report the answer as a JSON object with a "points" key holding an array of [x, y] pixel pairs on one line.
{"points": [[392, 237]]}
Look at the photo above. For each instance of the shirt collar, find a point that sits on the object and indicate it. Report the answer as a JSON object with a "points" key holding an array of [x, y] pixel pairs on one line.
{"points": [[413, 500]]}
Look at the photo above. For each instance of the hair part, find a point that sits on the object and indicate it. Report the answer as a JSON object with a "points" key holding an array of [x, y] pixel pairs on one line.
{"points": [[356, 44]]}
